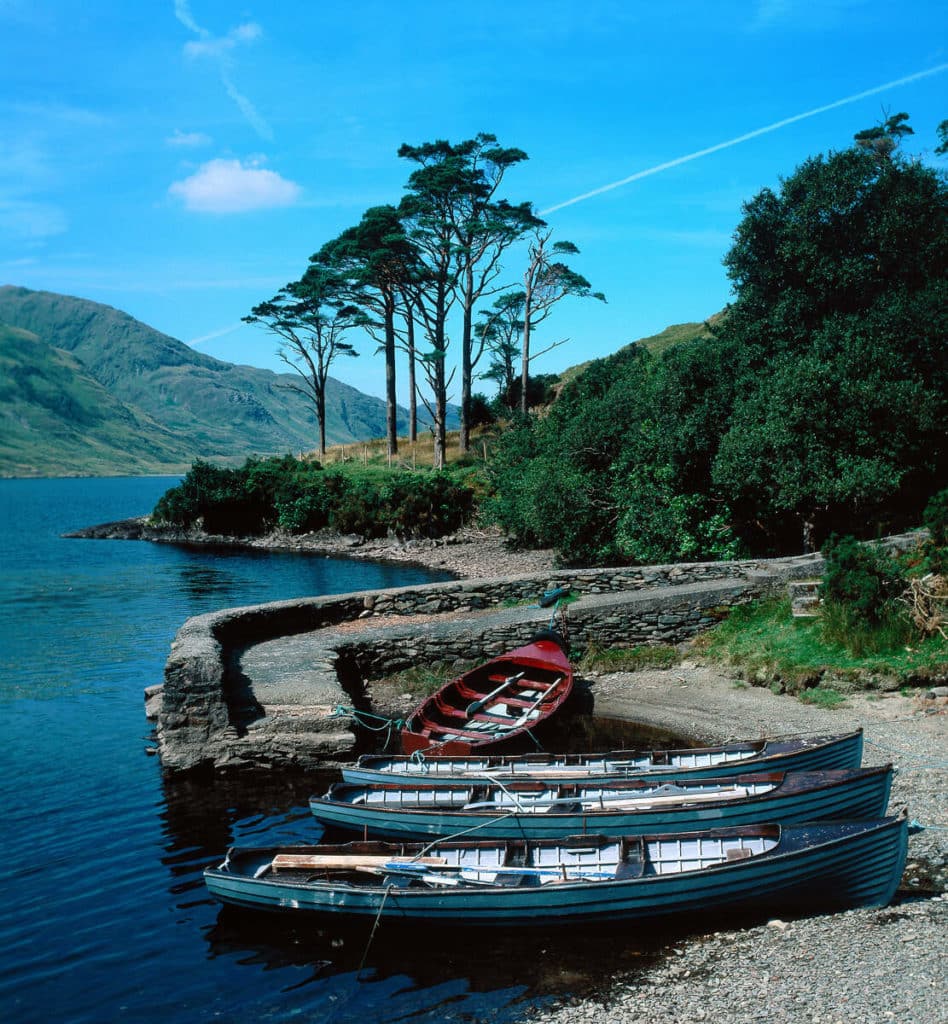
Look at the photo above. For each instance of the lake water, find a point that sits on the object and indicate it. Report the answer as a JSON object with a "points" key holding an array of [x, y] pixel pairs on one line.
{"points": [[105, 915]]}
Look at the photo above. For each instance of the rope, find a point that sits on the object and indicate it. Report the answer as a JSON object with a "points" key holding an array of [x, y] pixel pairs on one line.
{"points": [[915, 826], [387, 725], [463, 832], [375, 924], [906, 753]]}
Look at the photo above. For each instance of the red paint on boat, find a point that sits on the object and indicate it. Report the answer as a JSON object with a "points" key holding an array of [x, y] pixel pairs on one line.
{"points": [[496, 702]]}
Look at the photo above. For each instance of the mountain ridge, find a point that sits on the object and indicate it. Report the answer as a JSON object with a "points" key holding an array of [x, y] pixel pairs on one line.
{"points": [[166, 404]]}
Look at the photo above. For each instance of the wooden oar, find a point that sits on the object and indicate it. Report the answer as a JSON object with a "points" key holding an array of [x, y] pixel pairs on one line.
{"points": [[476, 705], [618, 803], [306, 861], [525, 717]]}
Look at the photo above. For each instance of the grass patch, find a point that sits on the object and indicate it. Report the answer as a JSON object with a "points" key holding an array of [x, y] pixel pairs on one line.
{"points": [[421, 681], [629, 659], [768, 645], [823, 697]]}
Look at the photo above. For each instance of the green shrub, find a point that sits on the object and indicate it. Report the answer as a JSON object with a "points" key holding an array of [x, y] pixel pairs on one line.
{"points": [[304, 512], [300, 497], [860, 586], [860, 578], [935, 519], [420, 505], [355, 509]]}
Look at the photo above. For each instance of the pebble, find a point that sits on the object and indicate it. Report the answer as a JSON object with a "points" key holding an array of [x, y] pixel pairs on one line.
{"points": [[866, 966]]}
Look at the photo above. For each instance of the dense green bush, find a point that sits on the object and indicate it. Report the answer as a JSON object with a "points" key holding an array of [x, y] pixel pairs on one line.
{"points": [[860, 591], [817, 405], [936, 518], [300, 497], [419, 505], [861, 577], [936, 521]]}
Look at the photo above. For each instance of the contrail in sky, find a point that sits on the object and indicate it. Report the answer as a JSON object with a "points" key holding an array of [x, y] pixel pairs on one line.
{"points": [[743, 138]]}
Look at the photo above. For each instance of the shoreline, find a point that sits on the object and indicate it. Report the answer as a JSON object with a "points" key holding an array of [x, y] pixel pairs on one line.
{"points": [[470, 553], [869, 965]]}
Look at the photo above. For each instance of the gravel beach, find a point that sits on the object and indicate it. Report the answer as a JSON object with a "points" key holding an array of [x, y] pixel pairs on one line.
{"points": [[871, 965]]}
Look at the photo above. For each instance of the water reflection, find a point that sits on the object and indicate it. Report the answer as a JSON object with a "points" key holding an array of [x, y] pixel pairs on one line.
{"points": [[396, 970], [198, 580]]}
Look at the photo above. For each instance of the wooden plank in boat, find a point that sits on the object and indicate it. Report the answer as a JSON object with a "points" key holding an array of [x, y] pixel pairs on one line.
{"points": [[307, 861]]}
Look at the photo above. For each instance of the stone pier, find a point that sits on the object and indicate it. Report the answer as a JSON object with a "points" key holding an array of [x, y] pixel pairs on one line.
{"points": [[260, 687]]}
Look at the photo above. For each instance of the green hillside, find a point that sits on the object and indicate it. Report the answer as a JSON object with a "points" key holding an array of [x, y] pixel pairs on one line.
{"points": [[656, 343], [56, 419], [85, 377]]}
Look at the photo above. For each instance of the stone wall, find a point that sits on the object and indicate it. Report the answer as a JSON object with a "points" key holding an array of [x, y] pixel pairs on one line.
{"points": [[214, 709]]}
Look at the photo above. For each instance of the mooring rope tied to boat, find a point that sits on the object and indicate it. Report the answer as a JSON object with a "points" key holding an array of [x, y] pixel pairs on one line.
{"points": [[387, 724], [464, 832], [375, 924], [940, 765]]}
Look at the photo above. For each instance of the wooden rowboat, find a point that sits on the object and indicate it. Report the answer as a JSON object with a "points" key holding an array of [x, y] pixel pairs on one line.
{"points": [[798, 753], [495, 703], [538, 809], [764, 867]]}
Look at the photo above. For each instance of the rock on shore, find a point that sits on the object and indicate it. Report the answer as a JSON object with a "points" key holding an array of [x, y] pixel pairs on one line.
{"points": [[470, 553]]}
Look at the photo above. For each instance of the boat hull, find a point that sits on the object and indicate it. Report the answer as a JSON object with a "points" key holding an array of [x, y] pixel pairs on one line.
{"points": [[494, 706], [811, 868], [440, 811], [797, 754]]}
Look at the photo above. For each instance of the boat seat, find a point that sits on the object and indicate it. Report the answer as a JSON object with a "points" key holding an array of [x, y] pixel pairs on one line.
{"points": [[515, 879], [632, 863], [530, 684]]}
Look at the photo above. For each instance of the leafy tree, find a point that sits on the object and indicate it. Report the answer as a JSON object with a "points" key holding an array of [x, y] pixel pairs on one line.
{"points": [[839, 316], [884, 139], [460, 229], [311, 317], [377, 262], [499, 331], [428, 212], [546, 281], [818, 404], [942, 131], [484, 228]]}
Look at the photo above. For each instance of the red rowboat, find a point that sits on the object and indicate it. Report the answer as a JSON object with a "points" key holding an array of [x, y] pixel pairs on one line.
{"points": [[495, 703]]}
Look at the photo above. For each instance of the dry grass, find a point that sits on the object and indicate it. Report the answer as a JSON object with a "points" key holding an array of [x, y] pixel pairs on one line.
{"points": [[411, 456]]}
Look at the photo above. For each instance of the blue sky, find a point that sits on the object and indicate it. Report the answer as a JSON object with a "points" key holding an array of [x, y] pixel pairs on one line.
{"points": [[182, 159]]}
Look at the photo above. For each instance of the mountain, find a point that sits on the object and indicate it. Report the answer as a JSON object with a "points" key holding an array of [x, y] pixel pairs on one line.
{"points": [[88, 390]]}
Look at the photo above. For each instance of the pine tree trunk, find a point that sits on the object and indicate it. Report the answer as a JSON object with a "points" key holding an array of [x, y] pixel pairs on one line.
{"points": [[412, 386], [391, 407]]}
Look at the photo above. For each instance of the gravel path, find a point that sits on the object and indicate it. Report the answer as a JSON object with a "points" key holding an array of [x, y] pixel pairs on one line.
{"points": [[872, 965]]}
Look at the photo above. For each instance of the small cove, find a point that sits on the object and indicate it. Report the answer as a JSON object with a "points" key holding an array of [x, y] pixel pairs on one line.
{"points": [[107, 915]]}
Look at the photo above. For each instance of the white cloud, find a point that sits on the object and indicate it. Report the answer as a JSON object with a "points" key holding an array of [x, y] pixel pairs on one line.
{"points": [[182, 11], [249, 111], [188, 139], [228, 186]]}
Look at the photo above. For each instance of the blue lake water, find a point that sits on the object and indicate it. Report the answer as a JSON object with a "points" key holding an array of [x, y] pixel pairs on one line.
{"points": [[105, 915]]}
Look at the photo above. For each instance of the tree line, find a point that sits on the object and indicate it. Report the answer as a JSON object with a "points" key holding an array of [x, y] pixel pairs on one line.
{"points": [[819, 405], [405, 270]]}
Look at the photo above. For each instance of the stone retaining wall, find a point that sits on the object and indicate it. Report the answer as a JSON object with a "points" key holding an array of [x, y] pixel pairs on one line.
{"points": [[214, 710]]}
